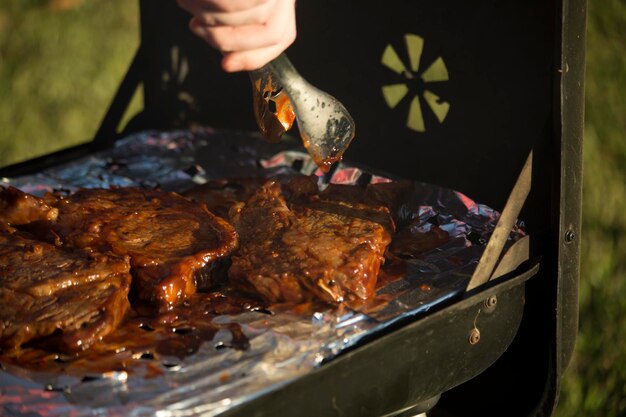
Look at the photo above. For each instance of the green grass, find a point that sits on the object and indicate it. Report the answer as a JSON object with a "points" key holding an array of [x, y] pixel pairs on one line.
{"points": [[59, 69]]}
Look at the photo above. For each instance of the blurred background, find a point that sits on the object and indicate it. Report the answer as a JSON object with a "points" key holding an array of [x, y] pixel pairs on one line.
{"points": [[62, 60]]}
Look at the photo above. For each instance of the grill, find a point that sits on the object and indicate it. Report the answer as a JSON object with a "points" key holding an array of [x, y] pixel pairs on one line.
{"points": [[453, 94]]}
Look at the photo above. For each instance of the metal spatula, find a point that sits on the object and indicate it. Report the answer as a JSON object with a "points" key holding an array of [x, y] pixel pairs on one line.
{"points": [[281, 94]]}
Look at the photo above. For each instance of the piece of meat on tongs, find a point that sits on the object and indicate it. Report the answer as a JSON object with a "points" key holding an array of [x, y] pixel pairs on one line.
{"points": [[300, 253]]}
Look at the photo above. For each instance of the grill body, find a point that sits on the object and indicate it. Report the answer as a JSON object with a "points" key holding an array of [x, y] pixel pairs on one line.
{"points": [[494, 80]]}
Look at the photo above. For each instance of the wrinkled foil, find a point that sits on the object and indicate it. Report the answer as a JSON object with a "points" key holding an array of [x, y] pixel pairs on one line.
{"points": [[283, 346]]}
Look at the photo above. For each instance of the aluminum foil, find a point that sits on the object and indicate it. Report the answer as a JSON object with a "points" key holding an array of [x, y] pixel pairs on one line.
{"points": [[283, 346]]}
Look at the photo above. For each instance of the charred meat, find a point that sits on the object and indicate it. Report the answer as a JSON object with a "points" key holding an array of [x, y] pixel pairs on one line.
{"points": [[293, 254], [221, 194], [167, 237], [45, 291], [18, 208]]}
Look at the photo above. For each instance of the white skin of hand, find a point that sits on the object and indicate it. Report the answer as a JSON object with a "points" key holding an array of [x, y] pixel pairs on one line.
{"points": [[249, 33]]}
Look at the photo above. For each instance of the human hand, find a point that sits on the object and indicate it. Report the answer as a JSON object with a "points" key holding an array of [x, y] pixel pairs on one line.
{"points": [[249, 33]]}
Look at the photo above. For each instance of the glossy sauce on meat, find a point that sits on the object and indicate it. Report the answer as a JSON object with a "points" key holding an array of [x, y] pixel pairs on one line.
{"points": [[145, 341], [167, 237], [73, 298], [299, 247], [18, 208], [290, 255], [272, 109]]}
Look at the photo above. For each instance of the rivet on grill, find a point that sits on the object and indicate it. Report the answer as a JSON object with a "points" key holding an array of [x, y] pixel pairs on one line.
{"points": [[490, 303], [474, 336], [570, 236]]}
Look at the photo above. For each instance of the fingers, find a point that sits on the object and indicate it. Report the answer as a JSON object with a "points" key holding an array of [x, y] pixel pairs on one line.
{"points": [[255, 58], [242, 38], [228, 6], [249, 33], [256, 15]]}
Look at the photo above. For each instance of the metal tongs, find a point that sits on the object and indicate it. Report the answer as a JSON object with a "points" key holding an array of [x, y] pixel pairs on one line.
{"points": [[282, 95]]}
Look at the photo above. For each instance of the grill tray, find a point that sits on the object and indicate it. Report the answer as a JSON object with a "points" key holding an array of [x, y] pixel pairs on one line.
{"points": [[307, 348]]}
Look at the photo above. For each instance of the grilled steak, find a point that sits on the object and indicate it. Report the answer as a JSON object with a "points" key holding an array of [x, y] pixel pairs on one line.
{"points": [[376, 202], [351, 201], [167, 237], [221, 194], [417, 238], [301, 253], [44, 290], [18, 208]]}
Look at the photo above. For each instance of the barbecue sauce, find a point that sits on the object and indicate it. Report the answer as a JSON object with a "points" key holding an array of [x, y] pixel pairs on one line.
{"points": [[272, 110], [275, 115], [146, 344], [323, 163]]}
